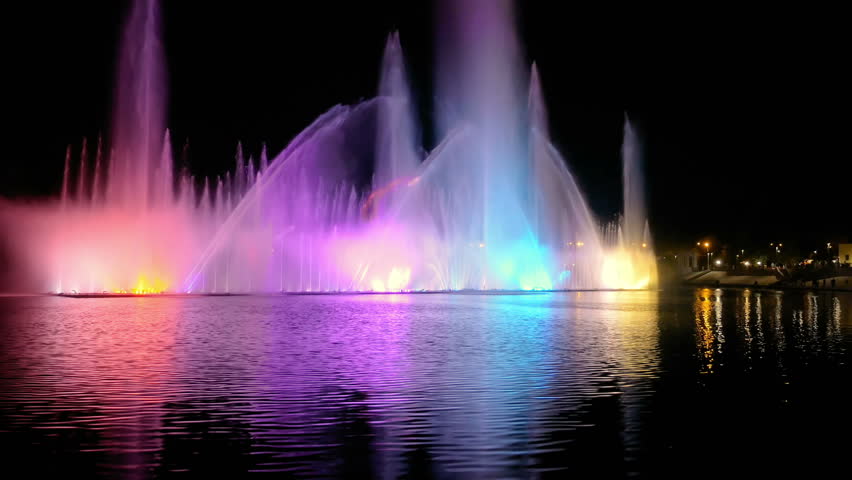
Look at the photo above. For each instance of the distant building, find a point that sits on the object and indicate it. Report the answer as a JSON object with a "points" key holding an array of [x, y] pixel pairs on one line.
{"points": [[844, 253], [687, 261]]}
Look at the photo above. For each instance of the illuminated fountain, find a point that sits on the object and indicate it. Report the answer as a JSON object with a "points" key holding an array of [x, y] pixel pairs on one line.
{"points": [[493, 206], [121, 226]]}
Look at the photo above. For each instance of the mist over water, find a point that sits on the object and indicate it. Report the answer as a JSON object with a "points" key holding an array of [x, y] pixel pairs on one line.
{"points": [[493, 206]]}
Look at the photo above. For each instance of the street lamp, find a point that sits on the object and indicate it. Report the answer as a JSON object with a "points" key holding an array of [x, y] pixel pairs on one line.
{"points": [[707, 248]]}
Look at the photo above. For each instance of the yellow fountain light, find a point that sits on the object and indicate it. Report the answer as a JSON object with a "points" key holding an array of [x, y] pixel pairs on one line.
{"points": [[398, 278], [378, 285], [146, 287], [623, 269]]}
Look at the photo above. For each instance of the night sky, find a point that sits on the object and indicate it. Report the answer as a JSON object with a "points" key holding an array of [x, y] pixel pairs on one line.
{"points": [[744, 114]]}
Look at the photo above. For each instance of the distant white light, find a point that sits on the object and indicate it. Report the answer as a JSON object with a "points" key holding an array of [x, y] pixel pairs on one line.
{"points": [[718, 262]]}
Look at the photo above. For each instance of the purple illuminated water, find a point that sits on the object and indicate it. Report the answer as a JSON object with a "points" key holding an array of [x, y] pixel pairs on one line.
{"points": [[493, 206]]}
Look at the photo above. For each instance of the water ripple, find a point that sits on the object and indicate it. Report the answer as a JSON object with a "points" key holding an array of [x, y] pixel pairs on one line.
{"points": [[618, 383]]}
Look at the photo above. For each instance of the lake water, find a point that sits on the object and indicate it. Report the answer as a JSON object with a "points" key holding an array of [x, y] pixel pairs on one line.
{"points": [[691, 382]]}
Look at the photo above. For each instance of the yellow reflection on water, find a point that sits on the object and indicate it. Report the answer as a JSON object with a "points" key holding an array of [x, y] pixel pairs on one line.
{"points": [[632, 331], [704, 334], [720, 334], [778, 330], [836, 314], [746, 324], [758, 326], [812, 316]]}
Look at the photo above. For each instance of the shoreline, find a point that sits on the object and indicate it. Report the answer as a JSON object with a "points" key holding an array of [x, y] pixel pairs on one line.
{"points": [[768, 287], [335, 293]]}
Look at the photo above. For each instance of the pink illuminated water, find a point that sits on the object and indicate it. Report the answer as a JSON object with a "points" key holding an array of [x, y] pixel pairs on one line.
{"points": [[493, 206]]}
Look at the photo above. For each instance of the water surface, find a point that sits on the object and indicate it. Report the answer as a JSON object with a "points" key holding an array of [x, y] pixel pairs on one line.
{"points": [[690, 382]]}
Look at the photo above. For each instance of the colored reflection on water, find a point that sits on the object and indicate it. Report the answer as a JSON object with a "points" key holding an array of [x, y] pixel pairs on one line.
{"points": [[430, 386]]}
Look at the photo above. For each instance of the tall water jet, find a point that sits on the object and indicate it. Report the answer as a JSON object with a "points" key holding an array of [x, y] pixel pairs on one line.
{"points": [[397, 137], [482, 75], [96, 179], [81, 173], [561, 218], [139, 113], [630, 262], [634, 192]]}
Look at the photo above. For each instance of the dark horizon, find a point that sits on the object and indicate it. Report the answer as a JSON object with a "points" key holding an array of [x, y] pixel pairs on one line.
{"points": [[742, 121]]}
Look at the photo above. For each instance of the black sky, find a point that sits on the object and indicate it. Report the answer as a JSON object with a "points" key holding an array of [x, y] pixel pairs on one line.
{"points": [[744, 114]]}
